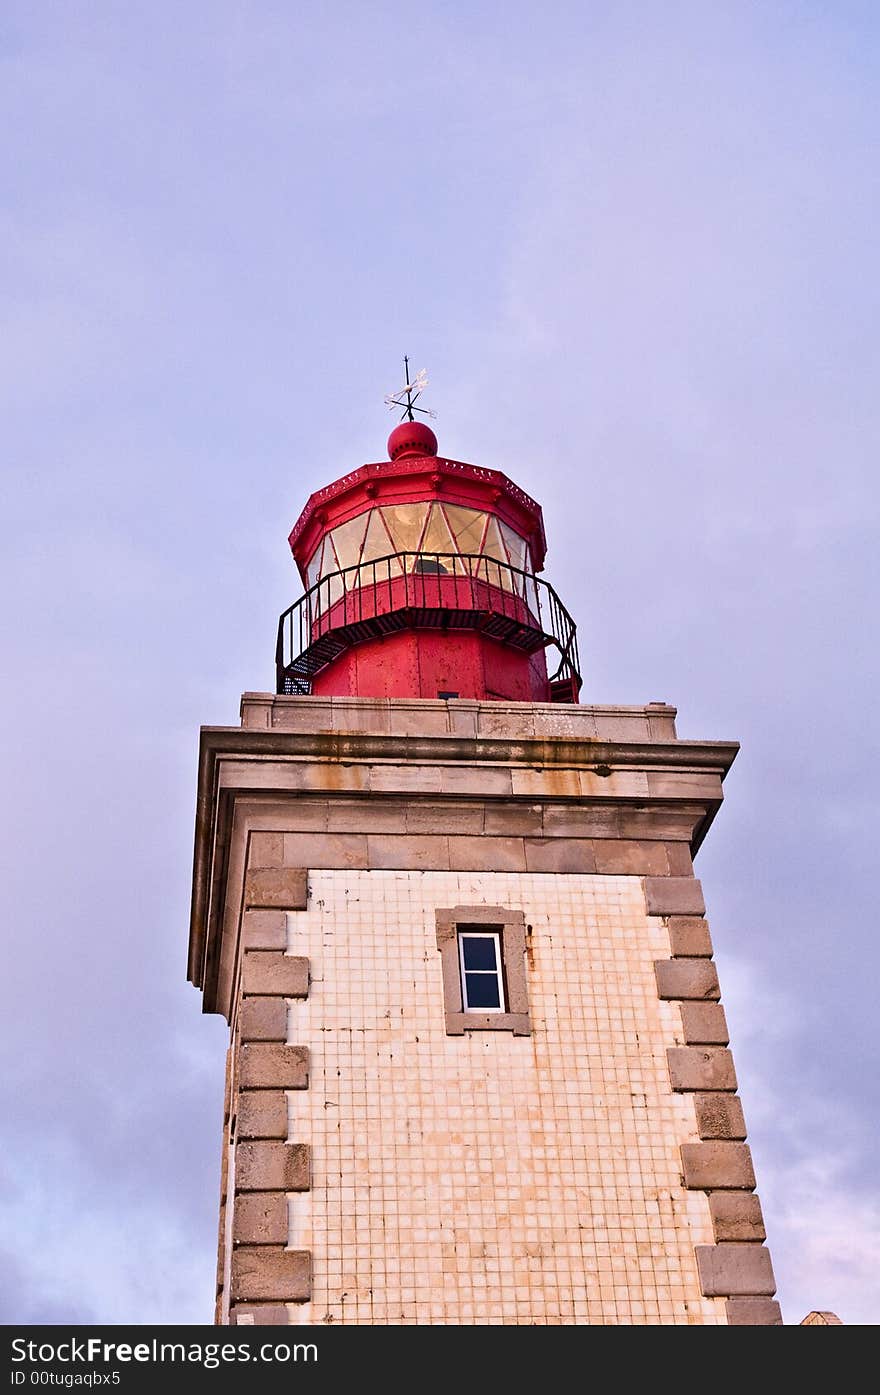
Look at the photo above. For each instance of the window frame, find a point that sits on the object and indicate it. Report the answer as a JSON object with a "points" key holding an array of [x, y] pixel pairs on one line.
{"points": [[510, 927], [470, 932]]}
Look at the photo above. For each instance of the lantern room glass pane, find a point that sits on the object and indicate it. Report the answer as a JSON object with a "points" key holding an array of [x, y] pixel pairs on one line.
{"points": [[329, 563], [467, 525], [374, 573], [334, 590], [493, 548], [348, 538], [516, 546], [313, 570], [377, 542], [437, 536], [492, 544], [405, 524]]}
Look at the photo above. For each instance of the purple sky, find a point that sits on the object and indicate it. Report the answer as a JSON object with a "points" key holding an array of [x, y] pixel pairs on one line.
{"points": [[635, 244]]}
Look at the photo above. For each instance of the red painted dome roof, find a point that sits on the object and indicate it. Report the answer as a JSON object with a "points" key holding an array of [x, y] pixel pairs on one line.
{"points": [[411, 438]]}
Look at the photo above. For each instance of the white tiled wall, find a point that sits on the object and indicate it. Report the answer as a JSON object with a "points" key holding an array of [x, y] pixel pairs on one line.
{"points": [[490, 1178]]}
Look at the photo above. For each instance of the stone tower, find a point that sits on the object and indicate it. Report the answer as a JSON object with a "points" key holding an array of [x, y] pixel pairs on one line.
{"points": [[478, 1067]]}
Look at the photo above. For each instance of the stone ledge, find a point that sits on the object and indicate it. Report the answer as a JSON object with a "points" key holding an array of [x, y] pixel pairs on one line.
{"points": [[264, 930], [722, 1165], [262, 1114], [719, 1116], [686, 978], [458, 1023], [259, 1315], [276, 888], [263, 1019], [267, 1066], [736, 1216], [735, 1271], [269, 1166], [704, 1024], [268, 972], [701, 1068], [668, 896], [260, 1218], [271, 1273], [753, 1312], [689, 937]]}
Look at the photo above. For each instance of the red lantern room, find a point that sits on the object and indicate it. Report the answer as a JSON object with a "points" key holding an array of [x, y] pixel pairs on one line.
{"points": [[420, 578]]}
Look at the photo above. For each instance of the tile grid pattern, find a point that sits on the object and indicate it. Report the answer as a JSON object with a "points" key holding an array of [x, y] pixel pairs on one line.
{"points": [[490, 1178]]}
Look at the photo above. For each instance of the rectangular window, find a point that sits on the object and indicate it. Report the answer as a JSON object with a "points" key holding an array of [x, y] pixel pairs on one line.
{"points": [[482, 983], [483, 966]]}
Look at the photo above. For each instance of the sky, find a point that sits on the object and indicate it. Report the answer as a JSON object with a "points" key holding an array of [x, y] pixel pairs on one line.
{"points": [[635, 246]]}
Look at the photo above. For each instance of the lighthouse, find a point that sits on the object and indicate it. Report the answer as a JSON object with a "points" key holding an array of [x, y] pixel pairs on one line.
{"points": [[479, 1069]]}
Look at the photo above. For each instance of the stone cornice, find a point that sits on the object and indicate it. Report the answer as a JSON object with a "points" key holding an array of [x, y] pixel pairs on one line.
{"points": [[589, 753], [328, 758]]}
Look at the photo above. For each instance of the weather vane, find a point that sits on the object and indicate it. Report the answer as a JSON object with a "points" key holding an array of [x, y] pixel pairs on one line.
{"points": [[406, 396]]}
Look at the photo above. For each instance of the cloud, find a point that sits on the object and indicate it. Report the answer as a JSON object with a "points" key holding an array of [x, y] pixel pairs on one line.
{"points": [[79, 1247], [822, 1217]]}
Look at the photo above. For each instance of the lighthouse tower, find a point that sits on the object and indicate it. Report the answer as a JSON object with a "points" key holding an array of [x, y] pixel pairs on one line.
{"points": [[479, 1069]]}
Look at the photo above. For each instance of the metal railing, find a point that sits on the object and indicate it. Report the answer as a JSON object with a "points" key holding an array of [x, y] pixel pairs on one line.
{"points": [[421, 590]]}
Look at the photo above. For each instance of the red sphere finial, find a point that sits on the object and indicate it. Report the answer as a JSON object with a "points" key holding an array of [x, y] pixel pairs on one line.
{"points": [[411, 438]]}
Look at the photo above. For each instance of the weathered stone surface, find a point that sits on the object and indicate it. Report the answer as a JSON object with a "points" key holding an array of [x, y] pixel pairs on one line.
{"points": [[262, 1114], [559, 855], [263, 1019], [735, 1271], [266, 850], [269, 1272], [701, 1068], [702, 787], [260, 1218], [680, 861], [719, 1116], [474, 780], [328, 849], [704, 1024], [629, 857], [268, 972], [416, 851], [587, 821], [722, 1164], [276, 888], [269, 1166], [487, 854], [265, 1065], [820, 1318], [689, 936], [504, 819], [260, 1315], [736, 1216], [264, 930], [453, 816], [753, 1312], [256, 709], [687, 978], [674, 896], [411, 779]]}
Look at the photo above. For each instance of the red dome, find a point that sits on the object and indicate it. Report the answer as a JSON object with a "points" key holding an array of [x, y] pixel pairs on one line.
{"points": [[411, 438]]}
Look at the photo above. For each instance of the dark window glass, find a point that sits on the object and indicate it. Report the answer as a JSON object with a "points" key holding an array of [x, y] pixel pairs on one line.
{"points": [[479, 954], [482, 990]]}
